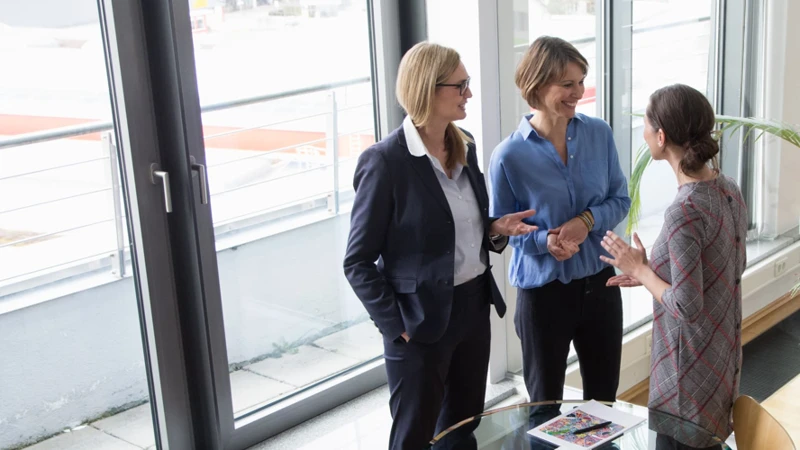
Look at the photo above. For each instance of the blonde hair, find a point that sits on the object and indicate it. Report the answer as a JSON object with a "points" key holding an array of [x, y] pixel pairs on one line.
{"points": [[423, 67], [544, 62]]}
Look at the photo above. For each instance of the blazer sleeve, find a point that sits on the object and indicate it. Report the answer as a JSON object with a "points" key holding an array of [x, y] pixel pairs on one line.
{"points": [[369, 223]]}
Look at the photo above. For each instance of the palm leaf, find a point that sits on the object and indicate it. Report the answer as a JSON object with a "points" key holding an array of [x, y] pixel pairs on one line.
{"points": [[728, 126], [643, 160]]}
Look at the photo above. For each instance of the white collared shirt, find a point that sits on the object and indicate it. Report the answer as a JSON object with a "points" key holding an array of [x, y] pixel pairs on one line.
{"points": [[468, 224]]}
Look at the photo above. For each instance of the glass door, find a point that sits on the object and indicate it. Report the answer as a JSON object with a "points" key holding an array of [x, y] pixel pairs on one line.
{"points": [[276, 104], [87, 321]]}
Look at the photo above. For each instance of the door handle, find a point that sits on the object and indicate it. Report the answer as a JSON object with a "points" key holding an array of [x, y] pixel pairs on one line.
{"points": [[201, 172], [159, 175]]}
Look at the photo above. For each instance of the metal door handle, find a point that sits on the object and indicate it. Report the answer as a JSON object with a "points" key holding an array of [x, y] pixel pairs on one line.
{"points": [[155, 176], [201, 172]]}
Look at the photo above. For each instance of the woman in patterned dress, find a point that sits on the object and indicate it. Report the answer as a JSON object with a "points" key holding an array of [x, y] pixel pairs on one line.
{"points": [[694, 274]]}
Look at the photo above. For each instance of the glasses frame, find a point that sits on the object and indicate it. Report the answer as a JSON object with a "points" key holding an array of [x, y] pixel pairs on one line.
{"points": [[462, 87]]}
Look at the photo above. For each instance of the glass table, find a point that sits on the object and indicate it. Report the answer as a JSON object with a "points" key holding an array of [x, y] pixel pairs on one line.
{"points": [[507, 429]]}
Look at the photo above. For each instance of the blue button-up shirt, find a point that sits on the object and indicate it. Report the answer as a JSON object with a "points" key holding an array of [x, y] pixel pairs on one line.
{"points": [[526, 172]]}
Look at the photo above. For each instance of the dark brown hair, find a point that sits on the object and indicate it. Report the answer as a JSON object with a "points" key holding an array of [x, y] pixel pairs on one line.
{"points": [[687, 119], [545, 62]]}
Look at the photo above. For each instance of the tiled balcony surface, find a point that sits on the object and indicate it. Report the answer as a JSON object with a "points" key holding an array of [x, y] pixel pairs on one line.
{"points": [[251, 386]]}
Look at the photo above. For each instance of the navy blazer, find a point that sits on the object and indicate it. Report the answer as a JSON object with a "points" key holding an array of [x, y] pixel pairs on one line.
{"points": [[402, 220]]}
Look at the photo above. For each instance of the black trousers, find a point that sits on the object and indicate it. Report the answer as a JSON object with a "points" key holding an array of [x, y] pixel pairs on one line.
{"points": [[434, 386], [665, 442], [584, 312]]}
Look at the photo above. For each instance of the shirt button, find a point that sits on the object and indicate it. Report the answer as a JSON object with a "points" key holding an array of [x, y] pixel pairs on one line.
{"points": [[472, 245], [569, 138], [469, 220], [571, 156]]}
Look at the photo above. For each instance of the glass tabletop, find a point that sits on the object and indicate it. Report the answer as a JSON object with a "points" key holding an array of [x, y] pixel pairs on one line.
{"points": [[507, 429]]}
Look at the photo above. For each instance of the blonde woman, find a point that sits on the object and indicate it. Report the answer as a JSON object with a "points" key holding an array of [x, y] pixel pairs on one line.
{"points": [[417, 256]]}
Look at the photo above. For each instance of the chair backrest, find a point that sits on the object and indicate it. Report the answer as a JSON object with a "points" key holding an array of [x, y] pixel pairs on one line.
{"points": [[756, 429]]}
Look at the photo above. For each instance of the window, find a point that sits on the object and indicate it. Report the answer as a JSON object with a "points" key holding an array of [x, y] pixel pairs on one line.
{"points": [[574, 21], [283, 126], [71, 361], [284, 115], [671, 44]]}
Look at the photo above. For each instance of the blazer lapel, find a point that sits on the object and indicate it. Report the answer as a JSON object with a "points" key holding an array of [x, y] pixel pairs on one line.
{"points": [[478, 190], [425, 171]]}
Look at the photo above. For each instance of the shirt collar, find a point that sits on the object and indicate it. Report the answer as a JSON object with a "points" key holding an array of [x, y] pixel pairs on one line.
{"points": [[525, 128], [417, 148], [413, 139]]}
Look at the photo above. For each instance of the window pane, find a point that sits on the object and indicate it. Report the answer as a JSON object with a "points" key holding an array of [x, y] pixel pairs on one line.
{"points": [[280, 169], [73, 369], [571, 20], [671, 44]]}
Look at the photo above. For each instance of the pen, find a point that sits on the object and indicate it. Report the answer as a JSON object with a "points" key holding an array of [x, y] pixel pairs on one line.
{"points": [[592, 428]]}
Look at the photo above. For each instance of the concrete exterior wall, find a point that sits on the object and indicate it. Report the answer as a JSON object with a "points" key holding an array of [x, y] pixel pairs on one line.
{"points": [[79, 356]]}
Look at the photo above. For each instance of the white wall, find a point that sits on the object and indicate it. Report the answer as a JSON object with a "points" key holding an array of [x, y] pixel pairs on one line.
{"points": [[788, 99]]}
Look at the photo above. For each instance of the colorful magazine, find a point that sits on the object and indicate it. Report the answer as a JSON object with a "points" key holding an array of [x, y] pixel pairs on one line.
{"points": [[586, 426]]}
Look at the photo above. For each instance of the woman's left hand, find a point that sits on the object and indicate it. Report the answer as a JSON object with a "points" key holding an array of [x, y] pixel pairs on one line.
{"points": [[628, 259], [512, 224], [573, 230]]}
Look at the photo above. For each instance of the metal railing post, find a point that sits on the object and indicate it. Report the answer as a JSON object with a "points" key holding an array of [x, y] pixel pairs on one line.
{"points": [[118, 257], [333, 149]]}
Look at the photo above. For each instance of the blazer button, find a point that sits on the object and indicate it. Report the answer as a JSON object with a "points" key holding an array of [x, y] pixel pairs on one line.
{"points": [[447, 282], [730, 199], [738, 281]]}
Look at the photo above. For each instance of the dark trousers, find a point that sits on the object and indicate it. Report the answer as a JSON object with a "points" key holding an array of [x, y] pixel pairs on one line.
{"points": [[584, 312], [434, 386], [665, 442]]}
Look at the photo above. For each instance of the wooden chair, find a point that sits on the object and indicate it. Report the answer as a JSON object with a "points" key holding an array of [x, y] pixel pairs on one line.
{"points": [[756, 429]]}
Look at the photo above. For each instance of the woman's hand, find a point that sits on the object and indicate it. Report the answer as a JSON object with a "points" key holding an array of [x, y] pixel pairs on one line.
{"points": [[574, 230], [623, 281], [561, 250], [512, 224], [628, 259]]}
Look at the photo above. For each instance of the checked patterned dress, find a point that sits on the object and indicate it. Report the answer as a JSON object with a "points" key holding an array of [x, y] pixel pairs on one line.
{"points": [[697, 352]]}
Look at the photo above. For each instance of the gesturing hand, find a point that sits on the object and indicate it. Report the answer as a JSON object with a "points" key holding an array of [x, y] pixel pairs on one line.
{"points": [[623, 281], [512, 224], [626, 258], [561, 250]]}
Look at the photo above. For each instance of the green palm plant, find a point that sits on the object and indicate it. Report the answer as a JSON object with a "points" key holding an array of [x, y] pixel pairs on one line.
{"points": [[728, 126]]}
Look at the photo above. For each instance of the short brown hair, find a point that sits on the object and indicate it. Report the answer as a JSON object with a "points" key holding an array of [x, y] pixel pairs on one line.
{"points": [[687, 119], [544, 62], [423, 67]]}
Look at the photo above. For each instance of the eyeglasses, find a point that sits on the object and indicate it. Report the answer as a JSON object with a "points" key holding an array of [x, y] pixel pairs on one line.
{"points": [[462, 87]]}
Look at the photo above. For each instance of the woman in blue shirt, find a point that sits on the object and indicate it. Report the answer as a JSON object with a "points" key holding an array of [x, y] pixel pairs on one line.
{"points": [[565, 165]]}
